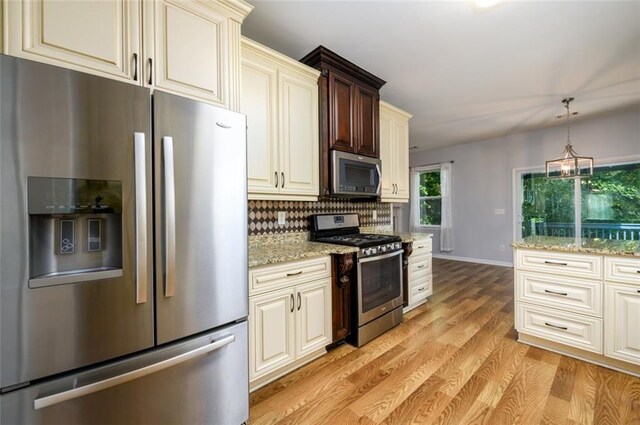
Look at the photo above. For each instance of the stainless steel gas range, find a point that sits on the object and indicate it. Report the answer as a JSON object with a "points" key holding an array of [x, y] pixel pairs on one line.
{"points": [[379, 269]]}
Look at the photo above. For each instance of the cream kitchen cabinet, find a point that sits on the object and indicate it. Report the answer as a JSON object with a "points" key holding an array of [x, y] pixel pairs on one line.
{"points": [[622, 334], [585, 305], [289, 317], [98, 37], [394, 153], [186, 47], [419, 274], [280, 99]]}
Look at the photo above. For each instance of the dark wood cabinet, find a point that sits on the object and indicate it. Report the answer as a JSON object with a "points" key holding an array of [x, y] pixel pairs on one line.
{"points": [[349, 109], [368, 124], [342, 109], [342, 272]]}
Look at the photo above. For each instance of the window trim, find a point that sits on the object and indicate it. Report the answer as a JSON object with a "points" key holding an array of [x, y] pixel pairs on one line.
{"points": [[516, 205], [430, 169]]}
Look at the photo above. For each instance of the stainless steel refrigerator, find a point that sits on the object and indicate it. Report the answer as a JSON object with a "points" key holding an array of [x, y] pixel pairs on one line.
{"points": [[123, 253]]}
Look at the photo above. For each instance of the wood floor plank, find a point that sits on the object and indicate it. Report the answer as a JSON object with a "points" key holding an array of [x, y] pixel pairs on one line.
{"points": [[526, 394], [454, 360]]}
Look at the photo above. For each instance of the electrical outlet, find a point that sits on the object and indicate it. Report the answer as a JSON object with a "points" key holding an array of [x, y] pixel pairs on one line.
{"points": [[375, 214], [501, 247], [282, 218]]}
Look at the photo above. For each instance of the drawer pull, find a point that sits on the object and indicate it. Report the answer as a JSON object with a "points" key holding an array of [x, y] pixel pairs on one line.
{"points": [[556, 293], [637, 271], [556, 326], [421, 246], [638, 291], [555, 263], [294, 274], [421, 266], [422, 289]]}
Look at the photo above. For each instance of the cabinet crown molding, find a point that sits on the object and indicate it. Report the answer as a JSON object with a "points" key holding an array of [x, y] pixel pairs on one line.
{"points": [[321, 56], [273, 55], [239, 9], [389, 108]]}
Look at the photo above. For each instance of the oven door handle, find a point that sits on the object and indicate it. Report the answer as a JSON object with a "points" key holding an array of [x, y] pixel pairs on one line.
{"points": [[380, 257]]}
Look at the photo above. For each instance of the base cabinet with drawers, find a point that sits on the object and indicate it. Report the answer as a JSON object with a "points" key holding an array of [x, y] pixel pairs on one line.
{"points": [[289, 317], [583, 305], [419, 283]]}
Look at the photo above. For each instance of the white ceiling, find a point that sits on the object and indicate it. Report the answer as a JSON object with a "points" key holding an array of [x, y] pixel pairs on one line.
{"points": [[466, 74]]}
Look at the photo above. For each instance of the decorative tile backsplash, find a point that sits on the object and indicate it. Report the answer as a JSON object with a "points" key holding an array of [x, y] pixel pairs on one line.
{"points": [[263, 215]]}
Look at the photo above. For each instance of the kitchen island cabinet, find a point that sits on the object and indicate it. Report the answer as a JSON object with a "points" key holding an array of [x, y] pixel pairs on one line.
{"points": [[580, 298]]}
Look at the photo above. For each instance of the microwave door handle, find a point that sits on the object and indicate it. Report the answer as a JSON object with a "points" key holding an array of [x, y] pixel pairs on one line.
{"points": [[170, 218], [379, 179]]}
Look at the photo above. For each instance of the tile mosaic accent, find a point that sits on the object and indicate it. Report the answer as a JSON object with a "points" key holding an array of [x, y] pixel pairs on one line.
{"points": [[263, 215]]}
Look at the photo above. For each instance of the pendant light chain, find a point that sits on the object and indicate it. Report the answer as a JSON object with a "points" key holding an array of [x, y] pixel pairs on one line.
{"points": [[568, 123]]}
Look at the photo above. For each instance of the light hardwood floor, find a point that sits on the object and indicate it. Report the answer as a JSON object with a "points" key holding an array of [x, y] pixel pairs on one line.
{"points": [[452, 361]]}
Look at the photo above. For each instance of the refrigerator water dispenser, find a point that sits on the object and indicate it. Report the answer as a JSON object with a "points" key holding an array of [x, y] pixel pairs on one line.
{"points": [[75, 230]]}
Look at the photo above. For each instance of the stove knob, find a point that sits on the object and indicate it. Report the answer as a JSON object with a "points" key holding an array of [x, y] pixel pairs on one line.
{"points": [[398, 245], [383, 248], [374, 250], [391, 246], [366, 251]]}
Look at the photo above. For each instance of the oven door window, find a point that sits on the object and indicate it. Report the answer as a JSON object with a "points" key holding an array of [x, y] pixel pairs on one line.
{"points": [[381, 281]]}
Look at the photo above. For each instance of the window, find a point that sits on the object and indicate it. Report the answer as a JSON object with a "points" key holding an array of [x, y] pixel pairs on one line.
{"points": [[606, 206], [430, 198]]}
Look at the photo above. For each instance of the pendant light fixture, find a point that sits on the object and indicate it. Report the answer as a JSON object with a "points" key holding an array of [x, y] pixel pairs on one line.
{"points": [[570, 164]]}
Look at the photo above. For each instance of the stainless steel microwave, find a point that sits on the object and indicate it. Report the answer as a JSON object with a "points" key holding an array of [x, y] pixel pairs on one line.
{"points": [[355, 175]]}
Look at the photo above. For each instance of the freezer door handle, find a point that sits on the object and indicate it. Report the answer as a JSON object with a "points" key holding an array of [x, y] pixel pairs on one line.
{"points": [[141, 216], [42, 402], [169, 218]]}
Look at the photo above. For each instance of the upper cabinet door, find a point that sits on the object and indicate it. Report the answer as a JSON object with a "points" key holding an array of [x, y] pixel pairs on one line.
{"points": [[186, 49], [299, 161], [367, 138], [342, 113], [98, 37], [386, 154], [259, 104], [401, 160]]}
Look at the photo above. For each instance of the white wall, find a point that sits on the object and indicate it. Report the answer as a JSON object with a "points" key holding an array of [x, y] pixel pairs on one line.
{"points": [[482, 176]]}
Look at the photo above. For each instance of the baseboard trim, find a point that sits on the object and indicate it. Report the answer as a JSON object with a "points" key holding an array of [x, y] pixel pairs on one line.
{"points": [[473, 260]]}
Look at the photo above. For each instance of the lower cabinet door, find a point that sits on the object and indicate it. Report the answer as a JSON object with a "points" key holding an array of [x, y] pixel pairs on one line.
{"points": [[271, 331], [313, 318], [622, 318]]}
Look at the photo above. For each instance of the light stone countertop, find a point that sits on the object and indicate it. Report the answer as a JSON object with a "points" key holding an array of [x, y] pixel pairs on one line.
{"points": [[591, 246], [405, 236], [272, 249]]}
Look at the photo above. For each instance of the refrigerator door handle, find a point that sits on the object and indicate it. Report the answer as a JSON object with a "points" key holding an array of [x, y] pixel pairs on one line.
{"points": [[141, 216], [60, 397], [170, 218]]}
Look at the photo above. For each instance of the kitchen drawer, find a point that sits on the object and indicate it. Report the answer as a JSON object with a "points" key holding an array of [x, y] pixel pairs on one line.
{"points": [[268, 278], [420, 291], [565, 293], [421, 247], [575, 330], [563, 263], [417, 266], [620, 269]]}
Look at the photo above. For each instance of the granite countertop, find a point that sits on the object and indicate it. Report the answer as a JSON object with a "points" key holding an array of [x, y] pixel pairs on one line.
{"points": [[274, 249], [592, 246], [405, 236]]}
